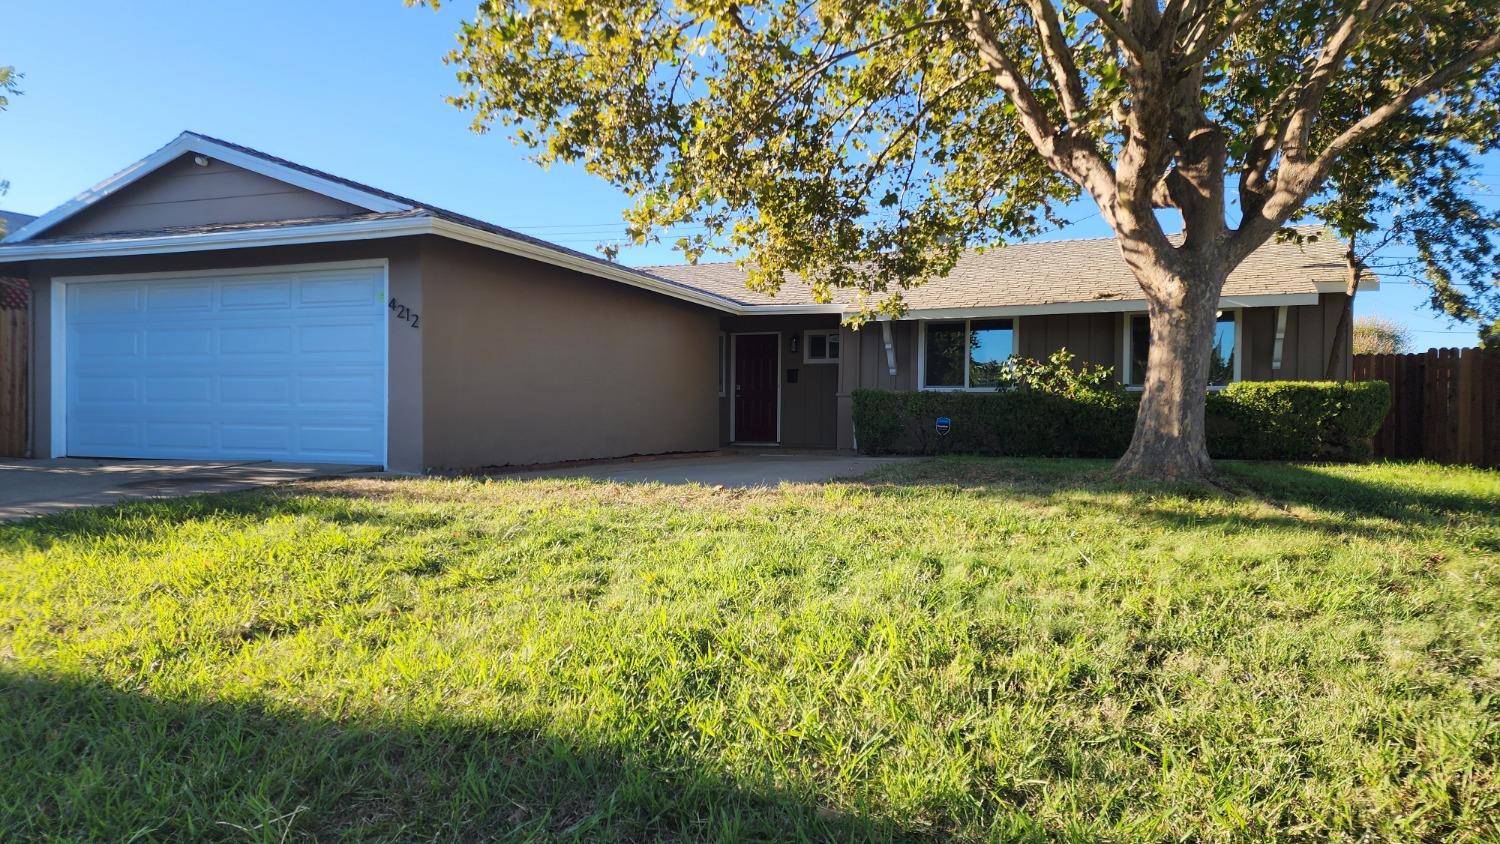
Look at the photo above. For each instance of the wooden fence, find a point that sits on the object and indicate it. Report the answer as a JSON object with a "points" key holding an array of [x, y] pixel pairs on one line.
{"points": [[1445, 405], [15, 300]]}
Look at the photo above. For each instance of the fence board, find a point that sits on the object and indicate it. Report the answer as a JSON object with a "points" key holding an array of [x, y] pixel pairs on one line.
{"points": [[1445, 405]]}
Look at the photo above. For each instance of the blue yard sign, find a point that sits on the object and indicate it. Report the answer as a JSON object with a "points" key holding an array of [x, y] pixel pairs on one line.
{"points": [[944, 425]]}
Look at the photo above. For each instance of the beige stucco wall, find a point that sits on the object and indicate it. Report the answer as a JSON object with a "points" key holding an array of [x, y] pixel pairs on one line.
{"points": [[527, 363], [183, 194]]}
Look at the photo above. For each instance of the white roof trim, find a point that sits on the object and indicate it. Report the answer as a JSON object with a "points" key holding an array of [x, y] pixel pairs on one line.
{"points": [[1103, 306], [792, 308], [187, 143], [1369, 282]]}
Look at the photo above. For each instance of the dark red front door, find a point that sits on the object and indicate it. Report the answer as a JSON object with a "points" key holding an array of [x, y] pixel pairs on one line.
{"points": [[755, 398]]}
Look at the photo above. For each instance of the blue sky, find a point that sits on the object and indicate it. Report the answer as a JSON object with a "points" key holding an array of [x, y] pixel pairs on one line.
{"points": [[354, 87]]}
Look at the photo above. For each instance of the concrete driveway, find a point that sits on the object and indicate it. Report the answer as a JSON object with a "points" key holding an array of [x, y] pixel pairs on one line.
{"points": [[731, 469], [38, 487]]}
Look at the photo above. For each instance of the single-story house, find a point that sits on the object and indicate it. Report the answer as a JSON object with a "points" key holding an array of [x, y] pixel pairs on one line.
{"points": [[214, 302]]}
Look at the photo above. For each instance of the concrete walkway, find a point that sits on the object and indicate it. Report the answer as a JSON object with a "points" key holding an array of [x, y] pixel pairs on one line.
{"points": [[37, 487], [733, 469]]}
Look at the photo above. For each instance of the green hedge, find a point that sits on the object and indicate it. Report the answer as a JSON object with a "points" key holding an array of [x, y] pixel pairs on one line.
{"points": [[1261, 420], [1296, 420]]}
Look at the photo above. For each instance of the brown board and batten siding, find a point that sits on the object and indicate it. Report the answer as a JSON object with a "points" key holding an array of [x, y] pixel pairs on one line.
{"points": [[808, 408], [1304, 349], [185, 194], [1091, 337]]}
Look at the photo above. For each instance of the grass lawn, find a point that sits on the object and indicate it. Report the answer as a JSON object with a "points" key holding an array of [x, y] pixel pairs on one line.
{"points": [[955, 649]]}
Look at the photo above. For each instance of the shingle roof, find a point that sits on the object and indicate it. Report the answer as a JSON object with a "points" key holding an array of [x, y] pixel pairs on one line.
{"points": [[1028, 274], [13, 220], [1045, 273]]}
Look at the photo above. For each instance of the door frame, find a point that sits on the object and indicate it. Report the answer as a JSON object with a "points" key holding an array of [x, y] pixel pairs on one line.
{"points": [[57, 386], [734, 375]]}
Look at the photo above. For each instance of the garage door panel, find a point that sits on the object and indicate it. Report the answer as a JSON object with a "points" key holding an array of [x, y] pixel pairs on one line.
{"points": [[340, 292], [255, 295], [255, 390], [107, 388], [178, 390], [188, 437], [255, 340], [179, 342], [279, 366], [105, 343], [339, 439], [337, 390], [177, 297], [352, 338], [104, 301], [266, 439], [105, 435]]}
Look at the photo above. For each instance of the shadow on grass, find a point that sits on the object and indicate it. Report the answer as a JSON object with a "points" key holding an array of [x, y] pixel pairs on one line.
{"points": [[1338, 497], [1340, 501], [86, 761]]}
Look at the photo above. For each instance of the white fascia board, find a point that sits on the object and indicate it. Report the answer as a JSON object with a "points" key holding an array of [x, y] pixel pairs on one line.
{"points": [[187, 143], [1367, 284], [814, 308], [1102, 306], [207, 241]]}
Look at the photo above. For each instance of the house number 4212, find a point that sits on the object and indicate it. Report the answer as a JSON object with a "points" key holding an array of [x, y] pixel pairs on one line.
{"points": [[406, 314]]}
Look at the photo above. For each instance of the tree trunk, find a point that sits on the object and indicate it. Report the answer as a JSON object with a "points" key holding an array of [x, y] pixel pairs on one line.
{"points": [[1169, 441], [1352, 265]]}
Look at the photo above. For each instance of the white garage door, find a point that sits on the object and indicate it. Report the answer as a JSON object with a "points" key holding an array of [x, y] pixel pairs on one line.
{"points": [[275, 365]]}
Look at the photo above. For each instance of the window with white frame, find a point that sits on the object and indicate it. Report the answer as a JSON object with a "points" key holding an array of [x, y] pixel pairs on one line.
{"points": [[965, 354], [1223, 366], [820, 346]]}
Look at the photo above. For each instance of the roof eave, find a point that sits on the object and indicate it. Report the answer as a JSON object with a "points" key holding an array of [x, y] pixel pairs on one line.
{"points": [[334, 232]]}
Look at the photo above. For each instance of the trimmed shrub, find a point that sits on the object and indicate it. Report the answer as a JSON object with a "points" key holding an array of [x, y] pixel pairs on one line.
{"points": [[1296, 420], [1285, 420]]}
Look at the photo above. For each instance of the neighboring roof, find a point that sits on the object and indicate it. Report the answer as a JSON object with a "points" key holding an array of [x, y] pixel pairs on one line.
{"points": [[1037, 276], [13, 220]]}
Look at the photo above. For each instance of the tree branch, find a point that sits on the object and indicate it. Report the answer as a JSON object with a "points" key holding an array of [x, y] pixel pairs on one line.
{"points": [[1321, 75], [1074, 156], [1473, 60], [1059, 58], [1128, 41], [1295, 181], [1197, 50]]}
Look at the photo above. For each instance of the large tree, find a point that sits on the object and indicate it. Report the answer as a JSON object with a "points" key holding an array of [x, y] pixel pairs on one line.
{"points": [[867, 143], [1408, 208]]}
